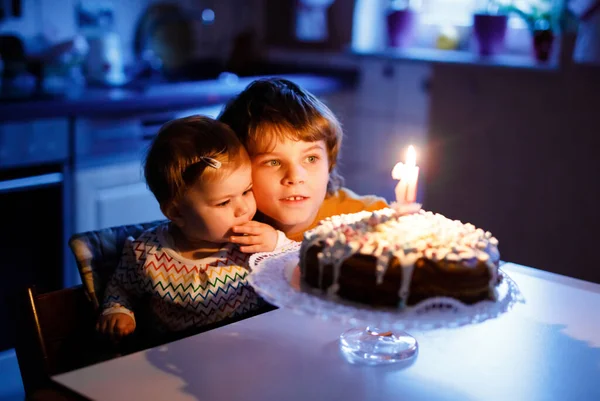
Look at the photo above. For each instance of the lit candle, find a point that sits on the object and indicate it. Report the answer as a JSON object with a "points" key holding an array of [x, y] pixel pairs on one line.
{"points": [[408, 174]]}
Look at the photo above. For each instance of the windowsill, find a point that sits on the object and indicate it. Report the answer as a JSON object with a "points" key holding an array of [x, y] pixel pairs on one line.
{"points": [[459, 57], [350, 57]]}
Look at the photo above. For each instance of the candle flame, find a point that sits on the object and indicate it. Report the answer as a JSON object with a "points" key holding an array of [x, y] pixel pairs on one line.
{"points": [[411, 156]]}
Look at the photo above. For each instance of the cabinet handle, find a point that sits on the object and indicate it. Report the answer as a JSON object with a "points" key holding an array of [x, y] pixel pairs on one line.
{"points": [[26, 183], [426, 85], [388, 71]]}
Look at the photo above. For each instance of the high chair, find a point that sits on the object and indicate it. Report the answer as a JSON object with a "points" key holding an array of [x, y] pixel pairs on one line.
{"points": [[97, 254], [57, 331]]}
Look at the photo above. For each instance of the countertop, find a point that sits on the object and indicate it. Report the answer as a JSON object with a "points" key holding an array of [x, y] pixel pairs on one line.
{"points": [[155, 97]]}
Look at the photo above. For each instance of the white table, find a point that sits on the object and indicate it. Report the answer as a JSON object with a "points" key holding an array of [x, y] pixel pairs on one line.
{"points": [[546, 349]]}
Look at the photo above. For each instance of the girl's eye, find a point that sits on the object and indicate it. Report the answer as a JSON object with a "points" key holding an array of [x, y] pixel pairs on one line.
{"points": [[223, 203], [273, 163], [312, 159], [246, 192]]}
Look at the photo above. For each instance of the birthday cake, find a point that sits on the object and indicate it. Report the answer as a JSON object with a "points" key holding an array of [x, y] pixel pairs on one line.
{"points": [[389, 258]]}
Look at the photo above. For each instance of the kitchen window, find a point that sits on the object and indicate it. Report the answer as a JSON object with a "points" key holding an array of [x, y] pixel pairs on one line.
{"points": [[460, 12], [436, 14]]}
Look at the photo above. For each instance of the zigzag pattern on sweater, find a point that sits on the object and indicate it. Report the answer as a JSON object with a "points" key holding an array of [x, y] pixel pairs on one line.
{"points": [[181, 320], [174, 317], [183, 293], [169, 293], [162, 286], [211, 275]]}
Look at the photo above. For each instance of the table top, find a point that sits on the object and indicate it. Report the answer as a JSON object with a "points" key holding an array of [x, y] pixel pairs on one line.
{"points": [[545, 349]]}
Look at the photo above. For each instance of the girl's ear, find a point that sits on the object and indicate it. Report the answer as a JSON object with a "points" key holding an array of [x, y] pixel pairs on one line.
{"points": [[173, 212]]}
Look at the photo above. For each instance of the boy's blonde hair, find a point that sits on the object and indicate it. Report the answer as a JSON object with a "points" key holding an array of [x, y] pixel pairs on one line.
{"points": [[274, 109], [174, 161]]}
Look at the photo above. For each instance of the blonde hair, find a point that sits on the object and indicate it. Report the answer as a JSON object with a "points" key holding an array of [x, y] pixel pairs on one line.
{"points": [[273, 109], [177, 156]]}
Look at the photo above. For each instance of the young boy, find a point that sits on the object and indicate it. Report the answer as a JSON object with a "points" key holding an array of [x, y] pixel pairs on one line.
{"points": [[189, 268], [293, 140]]}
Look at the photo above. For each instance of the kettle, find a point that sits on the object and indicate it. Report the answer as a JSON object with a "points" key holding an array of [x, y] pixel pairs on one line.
{"points": [[104, 62], [311, 20]]}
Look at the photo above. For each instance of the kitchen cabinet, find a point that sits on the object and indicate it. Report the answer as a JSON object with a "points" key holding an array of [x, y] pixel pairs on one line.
{"points": [[25, 144], [515, 151], [35, 217]]}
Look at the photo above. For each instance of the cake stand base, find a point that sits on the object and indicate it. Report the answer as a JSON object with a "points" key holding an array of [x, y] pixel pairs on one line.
{"points": [[371, 346]]}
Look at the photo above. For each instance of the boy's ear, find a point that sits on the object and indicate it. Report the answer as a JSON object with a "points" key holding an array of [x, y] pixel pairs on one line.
{"points": [[173, 212]]}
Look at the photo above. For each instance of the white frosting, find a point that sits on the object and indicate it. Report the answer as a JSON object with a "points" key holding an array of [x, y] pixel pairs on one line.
{"points": [[389, 233]]}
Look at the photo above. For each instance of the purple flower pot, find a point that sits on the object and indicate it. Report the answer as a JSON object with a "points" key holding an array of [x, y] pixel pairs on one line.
{"points": [[489, 31], [400, 27]]}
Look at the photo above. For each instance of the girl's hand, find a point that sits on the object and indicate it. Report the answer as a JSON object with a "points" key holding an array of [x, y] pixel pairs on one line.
{"points": [[256, 237], [115, 325]]}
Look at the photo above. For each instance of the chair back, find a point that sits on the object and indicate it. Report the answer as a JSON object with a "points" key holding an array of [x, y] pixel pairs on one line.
{"points": [[97, 254]]}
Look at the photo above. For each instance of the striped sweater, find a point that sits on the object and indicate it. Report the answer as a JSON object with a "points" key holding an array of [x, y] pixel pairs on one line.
{"points": [[183, 293]]}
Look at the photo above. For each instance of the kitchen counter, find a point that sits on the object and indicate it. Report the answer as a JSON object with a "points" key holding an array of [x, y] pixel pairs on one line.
{"points": [[156, 97]]}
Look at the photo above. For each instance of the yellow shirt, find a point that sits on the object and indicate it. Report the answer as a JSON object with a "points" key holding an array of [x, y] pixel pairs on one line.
{"points": [[343, 201]]}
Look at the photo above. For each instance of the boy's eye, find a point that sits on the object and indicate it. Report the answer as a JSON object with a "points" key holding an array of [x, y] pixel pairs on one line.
{"points": [[273, 163], [225, 203], [246, 192], [312, 159]]}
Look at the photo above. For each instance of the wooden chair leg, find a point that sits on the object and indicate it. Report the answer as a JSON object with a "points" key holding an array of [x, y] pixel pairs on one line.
{"points": [[30, 349]]}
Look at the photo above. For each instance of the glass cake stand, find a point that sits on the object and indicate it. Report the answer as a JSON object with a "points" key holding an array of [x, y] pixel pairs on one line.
{"points": [[373, 346], [379, 336]]}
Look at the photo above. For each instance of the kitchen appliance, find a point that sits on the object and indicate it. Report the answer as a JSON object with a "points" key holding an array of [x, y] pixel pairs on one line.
{"points": [[35, 209], [104, 62], [368, 29], [165, 39], [311, 20]]}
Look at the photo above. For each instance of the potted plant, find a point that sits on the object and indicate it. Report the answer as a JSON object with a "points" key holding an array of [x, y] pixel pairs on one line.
{"points": [[541, 20], [489, 28], [401, 22]]}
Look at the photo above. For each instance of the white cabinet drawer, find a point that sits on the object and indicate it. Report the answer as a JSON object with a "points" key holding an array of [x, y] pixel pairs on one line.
{"points": [[127, 204], [113, 195]]}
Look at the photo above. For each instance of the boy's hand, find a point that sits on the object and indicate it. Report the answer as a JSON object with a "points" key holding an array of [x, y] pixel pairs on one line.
{"points": [[257, 237], [115, 325]]}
